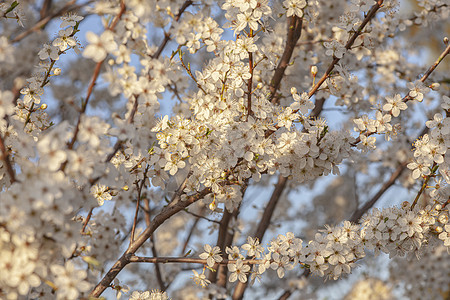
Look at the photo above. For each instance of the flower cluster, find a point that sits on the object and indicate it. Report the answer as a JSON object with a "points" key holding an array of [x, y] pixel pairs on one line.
{"points": [[101, 165], [335, 250], [431, 153]]}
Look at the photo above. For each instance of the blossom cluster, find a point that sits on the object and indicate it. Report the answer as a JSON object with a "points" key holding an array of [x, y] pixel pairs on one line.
{"points": [[431, 152], [72, 173], [335, 250]]}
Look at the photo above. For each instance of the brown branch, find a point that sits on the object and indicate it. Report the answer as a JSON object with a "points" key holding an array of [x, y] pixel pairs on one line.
{"points": [[263, 225], [45, 9], [221, 237], [68, 7], [348, 45], [407, 97], [294, 33], [222, 273], [168, 211], [250, 84], [357, 214], [86, 221], [166, 39], [6, 160], [368, 205], [94, 78], [165, 260], [136, 212], [161, 284], [285, 295]]}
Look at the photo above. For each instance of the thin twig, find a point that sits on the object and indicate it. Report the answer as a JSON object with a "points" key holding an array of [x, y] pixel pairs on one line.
{"points": [[166, 39], [202, 217], [40, 25], [161, 284], [425, 183], [190, 234], [86, 221], [165, 260], [407, 97]]}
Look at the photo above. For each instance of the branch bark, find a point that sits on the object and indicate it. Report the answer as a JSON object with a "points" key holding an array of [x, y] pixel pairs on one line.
{"points": [[168, 211], [294, 33], [262, 226], [6, 160], [348, 45]]}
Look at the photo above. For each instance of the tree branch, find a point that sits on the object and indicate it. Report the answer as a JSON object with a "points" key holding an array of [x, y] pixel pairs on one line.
{"points": [[357, 214], [262, 226], [6, 160], [94, 79], [348, 45], [294, 33], [166, 39], [68, 7], [168, 211]]}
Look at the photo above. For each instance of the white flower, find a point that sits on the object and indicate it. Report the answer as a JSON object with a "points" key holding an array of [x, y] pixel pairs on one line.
{"points": [[91, 129], [367, 142], [394, 105], [99, 47], [69, 281], [302, 102], [238, 271], [244, 19], [65, 39], [417, 90], [32, 94], [6, 50], [294, 7], [101, 193], [140, 295], [6, 103], [211, 255], [70, 20], [334, 48], [253, 247]]}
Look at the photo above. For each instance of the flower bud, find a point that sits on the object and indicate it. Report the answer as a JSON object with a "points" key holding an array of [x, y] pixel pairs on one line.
{"points": [[293, 90], [435, 86], [446, 40], [43, 106], [57, 71], [438, 229], [213, 205], [314, 71]]}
